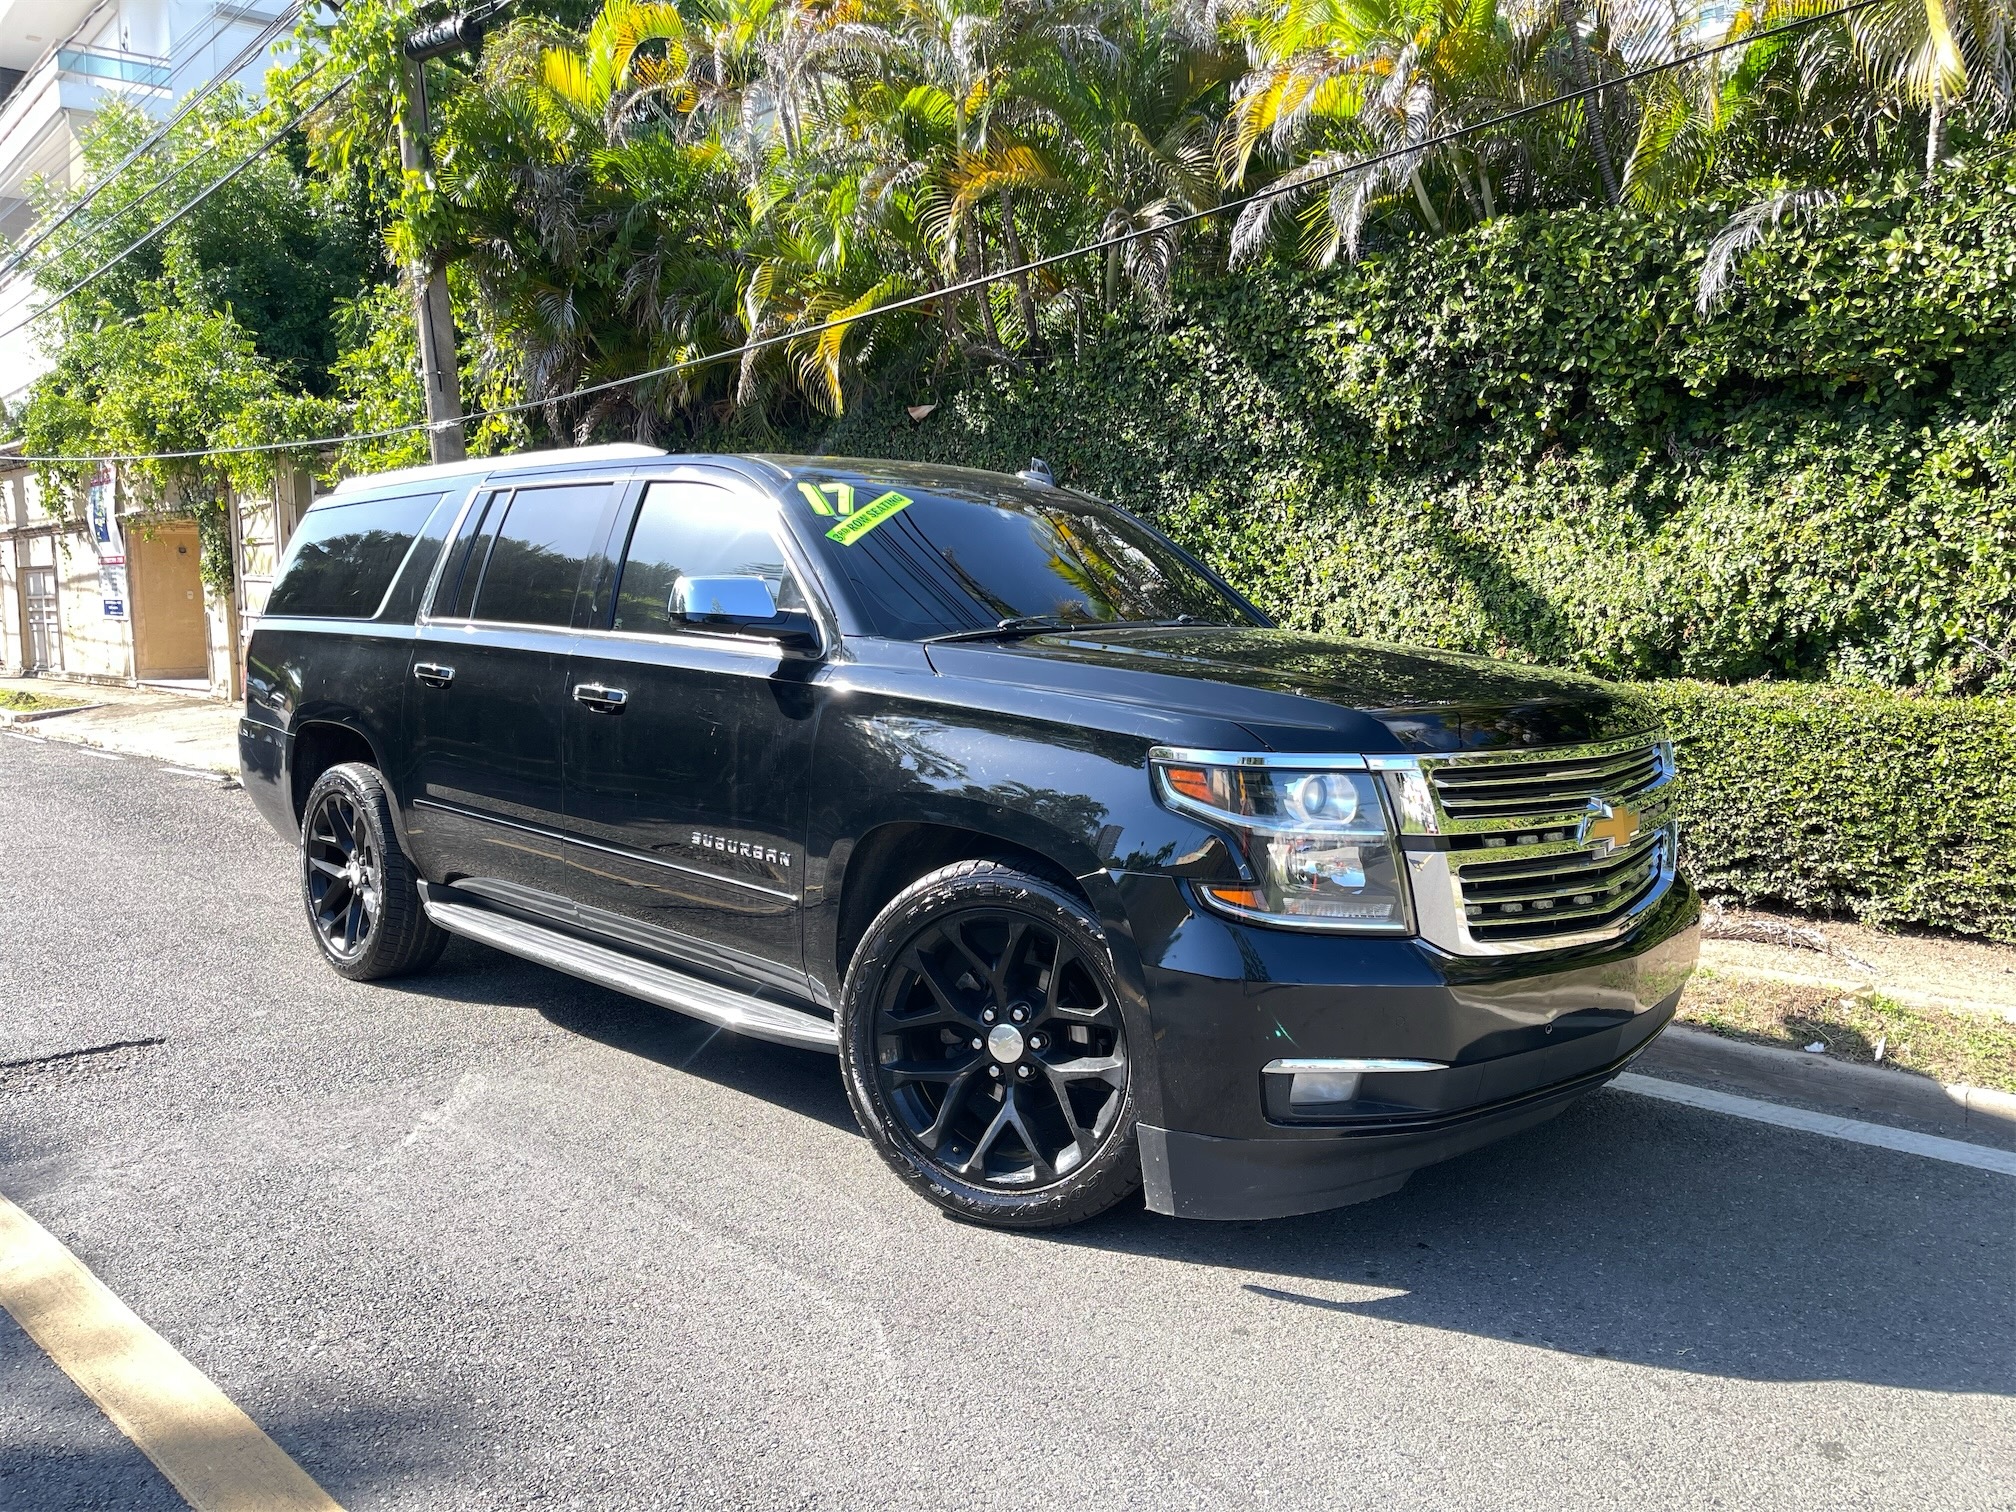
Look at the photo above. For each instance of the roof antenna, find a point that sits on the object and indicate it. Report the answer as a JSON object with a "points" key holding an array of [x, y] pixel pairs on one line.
{"points": [[1038, 472]]}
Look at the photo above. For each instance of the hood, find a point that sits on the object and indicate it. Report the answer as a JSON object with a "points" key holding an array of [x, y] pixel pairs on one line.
{"points": [[1299, 692]]}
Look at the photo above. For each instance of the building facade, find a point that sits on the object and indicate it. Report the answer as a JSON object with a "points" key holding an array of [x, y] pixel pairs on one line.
{"points": [[100, 587]]}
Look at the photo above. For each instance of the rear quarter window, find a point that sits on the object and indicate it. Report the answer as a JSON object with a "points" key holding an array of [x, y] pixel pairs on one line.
{"points": [[345, 554]]}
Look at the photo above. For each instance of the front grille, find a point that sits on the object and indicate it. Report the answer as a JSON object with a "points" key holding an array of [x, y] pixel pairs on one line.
{"points": [[1543, 850], [1521, 791], [1545, 896]]}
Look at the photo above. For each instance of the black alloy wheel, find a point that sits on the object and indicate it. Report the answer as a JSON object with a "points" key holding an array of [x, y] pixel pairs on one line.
{"points": [[345, 878], [986, 1049], [361, 892]]}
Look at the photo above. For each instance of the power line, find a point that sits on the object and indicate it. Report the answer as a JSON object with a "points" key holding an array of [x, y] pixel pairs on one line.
{"points": [[260, 41], [983, 280], [140, 241]]}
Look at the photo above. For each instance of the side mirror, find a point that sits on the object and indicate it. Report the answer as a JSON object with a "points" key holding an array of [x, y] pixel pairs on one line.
{"points": [[745, 604], [730, 598]]}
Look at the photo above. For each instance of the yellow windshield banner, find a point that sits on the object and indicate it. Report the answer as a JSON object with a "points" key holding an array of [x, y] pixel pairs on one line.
{"points": [[860, 522]]}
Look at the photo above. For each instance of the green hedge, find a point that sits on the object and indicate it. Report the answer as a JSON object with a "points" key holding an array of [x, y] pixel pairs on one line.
{"points": [[1524, 440], [1890, 808]]}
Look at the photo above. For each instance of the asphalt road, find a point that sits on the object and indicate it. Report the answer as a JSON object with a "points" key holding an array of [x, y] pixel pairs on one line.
{"points": [[495, 1238]]}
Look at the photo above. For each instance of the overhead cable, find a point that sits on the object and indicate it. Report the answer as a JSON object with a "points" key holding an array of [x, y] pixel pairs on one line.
{"points": [[260, 41], [184, 209]]}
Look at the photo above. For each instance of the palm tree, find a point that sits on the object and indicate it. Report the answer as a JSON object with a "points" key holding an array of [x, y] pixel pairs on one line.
{"points": [[1811, 109], [599, 236], [1333, 82]]}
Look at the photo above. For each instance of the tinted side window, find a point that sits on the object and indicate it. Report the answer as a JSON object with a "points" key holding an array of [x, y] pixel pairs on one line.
{"points": [[344, 554], [404, 599], [535, 560], [457, 590], [691, 530]]}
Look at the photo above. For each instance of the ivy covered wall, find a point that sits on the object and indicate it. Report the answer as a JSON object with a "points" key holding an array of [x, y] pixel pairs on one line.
{"points": [[1527, 440]]}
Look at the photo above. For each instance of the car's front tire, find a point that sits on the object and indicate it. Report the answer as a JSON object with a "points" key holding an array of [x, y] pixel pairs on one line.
{"points": [[361, 891], [983, 1049]]}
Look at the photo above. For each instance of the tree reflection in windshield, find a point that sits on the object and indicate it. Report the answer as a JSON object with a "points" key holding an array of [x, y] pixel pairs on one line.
{"points": [[970, 556]]}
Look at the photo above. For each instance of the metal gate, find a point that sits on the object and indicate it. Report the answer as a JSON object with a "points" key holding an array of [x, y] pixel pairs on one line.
{"points": [[45, 640]]}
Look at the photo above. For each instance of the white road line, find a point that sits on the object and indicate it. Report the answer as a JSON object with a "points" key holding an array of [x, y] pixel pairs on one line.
{"points": [[101, 755], [1910, 1142], [199, 776]]}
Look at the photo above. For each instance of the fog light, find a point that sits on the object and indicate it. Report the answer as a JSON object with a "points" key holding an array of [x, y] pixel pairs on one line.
{"points": [[1322, 1087], [1318, 1087]]}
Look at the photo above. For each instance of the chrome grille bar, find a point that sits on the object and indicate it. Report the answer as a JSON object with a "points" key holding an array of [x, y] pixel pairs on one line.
{"points": [[1522, 862]]}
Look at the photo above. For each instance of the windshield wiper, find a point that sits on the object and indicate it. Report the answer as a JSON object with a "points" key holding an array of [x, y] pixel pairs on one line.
{"points": [[1009, 629], [1039, 624]]}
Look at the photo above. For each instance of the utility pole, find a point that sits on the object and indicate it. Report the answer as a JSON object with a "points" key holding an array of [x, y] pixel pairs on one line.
{"points": [[439, 370]]}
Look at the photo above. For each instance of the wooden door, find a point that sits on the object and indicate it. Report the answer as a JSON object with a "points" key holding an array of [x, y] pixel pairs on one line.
{"points": [[171, 636]]}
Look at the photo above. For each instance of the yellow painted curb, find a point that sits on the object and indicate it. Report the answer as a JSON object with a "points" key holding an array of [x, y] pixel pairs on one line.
{"points": [[211, 1452]]}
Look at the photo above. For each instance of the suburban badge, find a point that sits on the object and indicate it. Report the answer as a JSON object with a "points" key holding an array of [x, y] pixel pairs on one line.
{"points": [[769, 854]]}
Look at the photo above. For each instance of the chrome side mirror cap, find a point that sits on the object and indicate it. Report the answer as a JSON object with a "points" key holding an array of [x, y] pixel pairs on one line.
{"points": [[744, 599]]}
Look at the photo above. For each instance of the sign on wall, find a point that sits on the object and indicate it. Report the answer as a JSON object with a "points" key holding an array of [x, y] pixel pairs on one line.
{"points": [[106, 536]]}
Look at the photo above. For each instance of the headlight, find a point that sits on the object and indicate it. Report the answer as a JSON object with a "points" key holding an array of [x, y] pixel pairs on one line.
{"points": [[1317, 847]]}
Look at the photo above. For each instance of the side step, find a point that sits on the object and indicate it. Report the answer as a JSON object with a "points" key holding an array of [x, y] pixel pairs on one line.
{"points": [[641, 979]]}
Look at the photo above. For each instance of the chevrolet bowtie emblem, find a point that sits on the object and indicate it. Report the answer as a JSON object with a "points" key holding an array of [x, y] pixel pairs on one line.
{"points": [[1611, 825]]}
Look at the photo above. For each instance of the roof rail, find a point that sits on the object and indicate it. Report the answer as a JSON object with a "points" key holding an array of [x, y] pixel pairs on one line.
{"points": [[615, 451]]}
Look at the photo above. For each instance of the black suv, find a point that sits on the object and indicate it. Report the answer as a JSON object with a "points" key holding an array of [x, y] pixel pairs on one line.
{"points": [[1092, 878]]}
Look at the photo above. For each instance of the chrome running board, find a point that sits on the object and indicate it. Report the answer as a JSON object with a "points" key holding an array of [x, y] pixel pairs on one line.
{"points": [[712, 1004]]}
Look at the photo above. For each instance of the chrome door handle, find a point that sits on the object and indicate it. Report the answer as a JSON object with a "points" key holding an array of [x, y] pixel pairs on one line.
{"points": [[434, 674], [602, 700]]}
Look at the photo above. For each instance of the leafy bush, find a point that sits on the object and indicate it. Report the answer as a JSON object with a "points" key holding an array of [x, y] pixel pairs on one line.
{"points": [[1526, 440], [1893, 808]]}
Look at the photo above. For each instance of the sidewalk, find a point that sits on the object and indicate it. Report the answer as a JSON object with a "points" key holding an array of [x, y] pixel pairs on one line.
{"points": [[180, 729]]}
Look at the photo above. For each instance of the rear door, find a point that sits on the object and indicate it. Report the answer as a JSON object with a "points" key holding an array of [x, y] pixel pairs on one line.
{"points": [[688, 795], [488, 686]]}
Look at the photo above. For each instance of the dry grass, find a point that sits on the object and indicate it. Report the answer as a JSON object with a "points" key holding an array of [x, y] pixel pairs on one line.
{"points": [[21, 701], [1976, 1048]]}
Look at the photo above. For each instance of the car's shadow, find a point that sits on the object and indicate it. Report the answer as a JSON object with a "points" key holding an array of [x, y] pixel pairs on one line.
{"points": [[1627, 1229], [799, 1081]]}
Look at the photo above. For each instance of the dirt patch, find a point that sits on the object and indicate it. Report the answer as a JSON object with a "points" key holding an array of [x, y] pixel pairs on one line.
{"points": [[1949, 1045], [1919, 970]]}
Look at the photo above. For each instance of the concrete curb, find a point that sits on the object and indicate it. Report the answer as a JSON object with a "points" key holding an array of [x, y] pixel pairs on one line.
{"points": [[32, 716], [1872, 1094]]}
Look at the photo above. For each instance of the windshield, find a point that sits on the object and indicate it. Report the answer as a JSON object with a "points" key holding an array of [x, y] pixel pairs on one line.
{"points": [[919, 561]]}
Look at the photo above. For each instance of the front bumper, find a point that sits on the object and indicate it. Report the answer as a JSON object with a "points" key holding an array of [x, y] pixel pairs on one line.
{"points": [[1520, 1037]]}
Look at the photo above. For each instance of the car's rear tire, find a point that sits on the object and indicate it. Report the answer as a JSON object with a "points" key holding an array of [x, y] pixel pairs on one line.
{"points": [[983, 1049], [361, 892]]}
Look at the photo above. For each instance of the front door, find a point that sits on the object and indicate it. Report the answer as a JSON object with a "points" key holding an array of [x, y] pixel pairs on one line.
{"points": [[487, 687], [687, 797], [171, 631], [45, 637]]}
